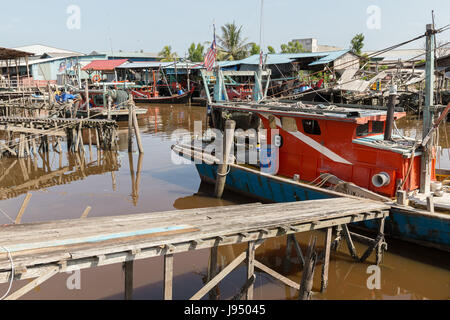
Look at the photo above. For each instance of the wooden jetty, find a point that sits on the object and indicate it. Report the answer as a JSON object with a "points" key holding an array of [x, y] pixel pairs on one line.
{"points": [[42, 250], [24, 133]]}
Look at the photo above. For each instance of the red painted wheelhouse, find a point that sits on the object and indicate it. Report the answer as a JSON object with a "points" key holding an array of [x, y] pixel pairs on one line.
{"points": [[345, 142]]}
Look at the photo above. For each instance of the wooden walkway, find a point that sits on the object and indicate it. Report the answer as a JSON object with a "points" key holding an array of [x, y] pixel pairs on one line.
{"points": [[25, 136], [41, 250]]}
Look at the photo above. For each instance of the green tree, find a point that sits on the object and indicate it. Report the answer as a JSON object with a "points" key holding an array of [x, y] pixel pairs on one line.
{"points": [[270, 49], [167, 55], [292, 47], [357, 43], [196, 52], [254, 49], [231, 44]]}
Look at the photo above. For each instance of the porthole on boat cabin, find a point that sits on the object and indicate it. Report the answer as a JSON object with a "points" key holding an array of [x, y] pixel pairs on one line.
{"points": [[311, 126], [371, 127]]}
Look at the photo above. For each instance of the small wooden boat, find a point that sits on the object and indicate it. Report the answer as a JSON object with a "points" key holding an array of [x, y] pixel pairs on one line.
{"points": [[97, 110]]}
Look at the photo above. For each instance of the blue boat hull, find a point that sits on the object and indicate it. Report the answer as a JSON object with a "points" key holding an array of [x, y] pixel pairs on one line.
{"points": [[407, 224]]}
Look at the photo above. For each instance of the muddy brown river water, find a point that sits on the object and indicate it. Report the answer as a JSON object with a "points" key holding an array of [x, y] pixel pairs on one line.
{"points": [[119, 183]]}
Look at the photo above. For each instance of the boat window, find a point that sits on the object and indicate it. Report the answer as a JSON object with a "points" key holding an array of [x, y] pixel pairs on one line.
{"points": [[289, 124], [377, 126], [362, 129], [311, 126], [272, 122]]}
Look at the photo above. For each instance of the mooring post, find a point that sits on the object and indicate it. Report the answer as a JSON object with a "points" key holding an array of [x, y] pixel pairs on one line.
{"points": [[136, 130], [128, 270], [130, 124], [168, 276], [223, 167], [250, 268]]}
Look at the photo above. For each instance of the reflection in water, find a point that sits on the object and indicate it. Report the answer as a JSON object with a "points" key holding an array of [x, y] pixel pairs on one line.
{"points": [[117, 183], [18, 176]]}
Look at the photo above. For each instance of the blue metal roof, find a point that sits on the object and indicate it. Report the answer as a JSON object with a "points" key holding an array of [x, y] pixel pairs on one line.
{"points": [[333, 55], [281, 58]]}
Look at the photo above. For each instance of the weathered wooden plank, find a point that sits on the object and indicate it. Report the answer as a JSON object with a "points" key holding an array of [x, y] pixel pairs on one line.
{"points": [[183, 243], [168, 276]]}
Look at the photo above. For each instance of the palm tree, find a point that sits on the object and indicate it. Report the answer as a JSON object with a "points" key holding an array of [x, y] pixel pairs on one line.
{"points": [[231, 45], [167, 55], [196, 52]]}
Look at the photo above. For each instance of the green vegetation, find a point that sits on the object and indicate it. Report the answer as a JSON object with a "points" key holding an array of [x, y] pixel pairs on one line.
{"points": [[270, 49], [196, 52], [357, 43], [232, 46], [292, 47], [167, 55], [254, 49]]}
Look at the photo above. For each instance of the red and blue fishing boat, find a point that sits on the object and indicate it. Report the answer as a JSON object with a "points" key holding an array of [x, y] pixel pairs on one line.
{"points": [[319, 151]]}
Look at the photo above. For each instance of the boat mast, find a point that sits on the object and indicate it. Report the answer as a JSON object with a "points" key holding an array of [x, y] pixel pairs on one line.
{"points": [[428, 111]]}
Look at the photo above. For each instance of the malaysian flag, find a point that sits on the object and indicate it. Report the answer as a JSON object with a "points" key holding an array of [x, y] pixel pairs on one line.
{"points": [[210, 57]]}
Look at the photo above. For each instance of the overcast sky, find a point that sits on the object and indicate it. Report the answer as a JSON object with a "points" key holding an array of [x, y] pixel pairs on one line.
{"points": [[132, 25]]}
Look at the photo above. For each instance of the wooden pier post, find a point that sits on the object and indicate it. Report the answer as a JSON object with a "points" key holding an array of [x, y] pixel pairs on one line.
{"points": [[130, 127], [326, 260], [136, 131], [212, 271], [308, 272], [168, 276], [223, 167], [250, 268], [128, 270]]}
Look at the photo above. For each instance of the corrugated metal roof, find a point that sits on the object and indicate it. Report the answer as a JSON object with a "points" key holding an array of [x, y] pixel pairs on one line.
{"points": [[329, 58], [281, 58], [104, 65], [127, 54], [157, 64], [39, 49]]}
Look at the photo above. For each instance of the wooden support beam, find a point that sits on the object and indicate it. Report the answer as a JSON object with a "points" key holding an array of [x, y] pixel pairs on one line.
{"points": [[326, 262], [276, 275], [128, 270], [222, 274], [250, 267], [348, 240], [212, 271], [33, 284], [168, 276], [244, 289]]}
